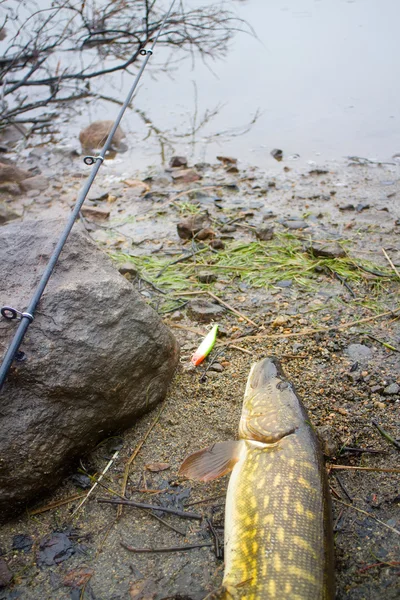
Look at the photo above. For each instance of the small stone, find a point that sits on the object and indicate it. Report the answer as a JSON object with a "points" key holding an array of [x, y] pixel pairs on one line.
{"points": [[280, 320], [100, 214], [5, 574], [7, 214], [277, 154], [189, 227], [358, 352], [11, 188], [186, 176], [265, 233], [284, 283], [391, 389], [22, 542], [39, 182], [227, 160], [177, 316], [326, 250], [232, 169], [295, 224], [326, 436], [204, 311], [380, 405], [228, 229], [128, 269], [205, 234], [178, 161], [206, 277], [376, 389], [217, 367], [12, 173], [94, 136], [137, 186], [217, 244]]}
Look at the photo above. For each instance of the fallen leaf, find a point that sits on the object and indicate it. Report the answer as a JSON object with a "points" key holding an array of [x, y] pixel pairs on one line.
{"points": [[157, 466], [78, 577]]}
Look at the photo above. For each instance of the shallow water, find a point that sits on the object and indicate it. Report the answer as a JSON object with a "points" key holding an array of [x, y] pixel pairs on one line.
{"points": [[322, 73]]}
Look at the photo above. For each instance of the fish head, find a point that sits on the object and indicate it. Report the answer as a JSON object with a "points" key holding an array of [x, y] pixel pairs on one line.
{"points": [[271, 409]]}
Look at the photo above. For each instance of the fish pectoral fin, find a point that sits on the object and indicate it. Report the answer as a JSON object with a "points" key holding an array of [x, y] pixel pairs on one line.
{"points": [[212, 462]]}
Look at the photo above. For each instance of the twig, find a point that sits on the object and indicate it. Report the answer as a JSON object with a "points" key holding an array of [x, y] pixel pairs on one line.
{"points": [[182, 533], [372, 469], [379, 564], [134, 455], [391, 263], [305, 332], [52, 505], [241, 349], [364, 512], [229, 307], [206, 499], [386, 435], [340, 515], [173, 511], [180, 259], [343, 282], [389, 346], [342, 487], [361, 451], [108, 465], [171, 549]]}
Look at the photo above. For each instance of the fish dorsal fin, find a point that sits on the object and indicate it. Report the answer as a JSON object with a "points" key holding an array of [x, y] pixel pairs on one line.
{"points": [[212, 462]]}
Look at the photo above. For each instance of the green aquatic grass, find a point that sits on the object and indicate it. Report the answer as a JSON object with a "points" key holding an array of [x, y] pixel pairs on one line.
{"points": [[259, 264]]}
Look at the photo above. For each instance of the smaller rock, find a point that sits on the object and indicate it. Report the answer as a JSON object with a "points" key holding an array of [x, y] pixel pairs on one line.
{"points": [[205, 234], [186, 176], [326, 250], [54, 549], [204, 311], [100, 214], [128, 269], [189, 227], [139, 187], [227, 160], [12, 173], [228, 229], [295, 224], [376, 389], [326, 436], [284, 283], [7, 214], [347, 207], [217, 244], [232, 169], [94, 137], [206, 277], [277, 154], [8, 187], [178, 161], [380, 405], [5, 574], [264, 233], [280, 320], [177, 316], [22, 542], [358, 352], [39, 182], [217, 368], [391, 389]]}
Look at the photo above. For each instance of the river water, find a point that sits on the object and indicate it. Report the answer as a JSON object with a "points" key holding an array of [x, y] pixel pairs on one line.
{"points": [[323, 74]]}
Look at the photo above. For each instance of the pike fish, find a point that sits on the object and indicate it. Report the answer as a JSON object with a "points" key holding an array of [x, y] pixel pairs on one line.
{"points": [[278, 523]]}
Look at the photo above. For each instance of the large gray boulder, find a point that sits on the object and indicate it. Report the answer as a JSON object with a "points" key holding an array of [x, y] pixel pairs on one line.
{"points": [[96, 357]]}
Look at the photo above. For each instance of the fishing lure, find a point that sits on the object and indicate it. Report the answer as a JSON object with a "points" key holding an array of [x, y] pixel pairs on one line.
{"points": [[205, 347]]}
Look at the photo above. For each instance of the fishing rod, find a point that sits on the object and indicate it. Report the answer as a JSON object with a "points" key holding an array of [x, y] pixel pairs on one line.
{"points": [[26, 318]]}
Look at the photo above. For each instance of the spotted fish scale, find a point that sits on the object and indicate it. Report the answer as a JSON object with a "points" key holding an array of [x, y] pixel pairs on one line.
{"points": [[278, 529]]}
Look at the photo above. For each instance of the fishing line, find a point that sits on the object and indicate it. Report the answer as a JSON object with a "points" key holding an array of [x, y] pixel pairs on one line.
{"points": [[26, 317]]}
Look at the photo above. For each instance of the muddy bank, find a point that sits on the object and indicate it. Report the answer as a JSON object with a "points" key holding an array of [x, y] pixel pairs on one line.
{"points": [[332, 320]]}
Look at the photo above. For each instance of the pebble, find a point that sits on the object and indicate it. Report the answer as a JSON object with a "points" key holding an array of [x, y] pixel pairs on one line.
{"points": [[206, 277], [217, 367], [328, 250], [178, 161], [358, 352], [204, 311], [5, 574], [277, 153], [265, 233], [392, 389], [295, 224]]}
